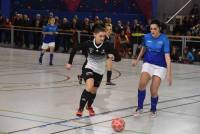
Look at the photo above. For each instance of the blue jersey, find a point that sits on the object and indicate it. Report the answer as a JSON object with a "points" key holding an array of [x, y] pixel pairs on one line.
{"points": [[49, 38], [156, 48]]}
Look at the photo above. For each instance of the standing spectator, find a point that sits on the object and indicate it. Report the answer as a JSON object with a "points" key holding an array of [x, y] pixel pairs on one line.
{"points": [[65, 39], [124, 42], [75, 27], [86, 29], [194, 13], [7, 33], [1, 25], [26, 24], [18, 35], [137, 30], [37, 36], [58, 38]]}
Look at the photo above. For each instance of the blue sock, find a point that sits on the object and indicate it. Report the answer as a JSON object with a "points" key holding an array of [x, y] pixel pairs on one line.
{"points": [[141, 97], [154, 102], [51, 58]]}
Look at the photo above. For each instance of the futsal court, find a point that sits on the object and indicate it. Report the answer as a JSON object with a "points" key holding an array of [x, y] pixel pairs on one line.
{"points": [[40, 99]]}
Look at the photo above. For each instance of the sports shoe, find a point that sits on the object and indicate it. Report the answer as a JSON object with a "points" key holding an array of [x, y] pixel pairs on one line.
{"points": [[91, 111], [153, 114], [137, 112], [79, 113], [110, 84], [50, 64]]}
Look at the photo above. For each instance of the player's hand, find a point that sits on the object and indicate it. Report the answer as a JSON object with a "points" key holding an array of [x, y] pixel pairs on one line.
{"points": [[134, 63], [68, 66], [169, 79]]}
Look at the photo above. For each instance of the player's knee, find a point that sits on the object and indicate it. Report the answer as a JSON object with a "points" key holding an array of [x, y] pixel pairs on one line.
{"points": [[142, 85]]}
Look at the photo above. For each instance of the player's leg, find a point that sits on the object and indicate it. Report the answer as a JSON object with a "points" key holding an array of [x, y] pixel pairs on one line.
{"points": [[144, 79], [109, 65], [158, 75], [97, 82], [44, 48], [154, 94], [86, 94]]}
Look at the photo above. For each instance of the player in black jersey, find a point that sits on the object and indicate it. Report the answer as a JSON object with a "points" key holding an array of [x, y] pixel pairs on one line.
{"points": [[97, 51]]}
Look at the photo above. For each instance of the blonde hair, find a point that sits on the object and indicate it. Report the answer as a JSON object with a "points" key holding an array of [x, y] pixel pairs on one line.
{"points": [[51, 19]]}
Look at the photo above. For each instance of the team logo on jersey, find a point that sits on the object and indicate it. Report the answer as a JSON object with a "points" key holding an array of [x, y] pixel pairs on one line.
{"points": [[91, 50], [103, 51], [160, 42]]}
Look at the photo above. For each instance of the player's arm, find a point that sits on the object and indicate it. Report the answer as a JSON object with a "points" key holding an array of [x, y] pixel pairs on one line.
{"points": [[169, 69], [73, 53], [168, 61], [142, 51]]}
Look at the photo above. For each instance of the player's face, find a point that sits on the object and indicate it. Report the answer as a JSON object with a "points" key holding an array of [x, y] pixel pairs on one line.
{"points": [[99, 37], [52, 21], [155, 30]]}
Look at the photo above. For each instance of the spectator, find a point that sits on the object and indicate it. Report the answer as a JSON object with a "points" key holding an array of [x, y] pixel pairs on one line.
{"points": [[194, 13], [18, 23], [188, 57], [7, 33], [26, 23], [37, 36], [65, 39], [58, 37], [1, 25], [175, 54], [124, 43]]}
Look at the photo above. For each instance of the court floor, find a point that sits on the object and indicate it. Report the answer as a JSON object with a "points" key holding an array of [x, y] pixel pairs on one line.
{"points": [[39, 99]]}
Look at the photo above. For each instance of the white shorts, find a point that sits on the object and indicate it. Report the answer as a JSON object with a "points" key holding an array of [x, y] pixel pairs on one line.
{"points": [[154, 70], [47, 45]]}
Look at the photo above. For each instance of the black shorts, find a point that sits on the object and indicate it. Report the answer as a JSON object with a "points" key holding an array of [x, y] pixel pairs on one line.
{"points": [[88, 74]]}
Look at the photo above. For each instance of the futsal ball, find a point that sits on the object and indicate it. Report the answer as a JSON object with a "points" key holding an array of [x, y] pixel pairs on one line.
{"points": [[118, 124]]}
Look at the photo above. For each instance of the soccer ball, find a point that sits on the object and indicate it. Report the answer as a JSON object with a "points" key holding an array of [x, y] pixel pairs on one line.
{"points": [[118, 124]]}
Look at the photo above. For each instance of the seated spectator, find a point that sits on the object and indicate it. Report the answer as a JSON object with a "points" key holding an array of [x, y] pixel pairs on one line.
{"points": [[175, 54], [188, 57]]}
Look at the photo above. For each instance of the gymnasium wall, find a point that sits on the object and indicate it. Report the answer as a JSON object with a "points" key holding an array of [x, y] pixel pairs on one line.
{"points": [[170, 7]]}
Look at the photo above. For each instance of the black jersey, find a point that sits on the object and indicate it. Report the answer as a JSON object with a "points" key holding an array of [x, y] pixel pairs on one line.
{"points": [[110, 41], [96, 55]]}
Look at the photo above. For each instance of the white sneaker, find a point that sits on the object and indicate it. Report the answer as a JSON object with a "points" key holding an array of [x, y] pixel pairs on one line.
{"points": [[138, 112], [153, 114]]}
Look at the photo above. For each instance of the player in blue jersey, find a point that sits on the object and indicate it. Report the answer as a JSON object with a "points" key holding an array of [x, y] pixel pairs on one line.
{"points": [[157, 66], [49, 32]]}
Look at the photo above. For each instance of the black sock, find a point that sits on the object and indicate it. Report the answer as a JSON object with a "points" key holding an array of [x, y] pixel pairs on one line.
{"points": [[51, 58], [91, 99], [41, 55], [84, 98], [109, 74]]}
